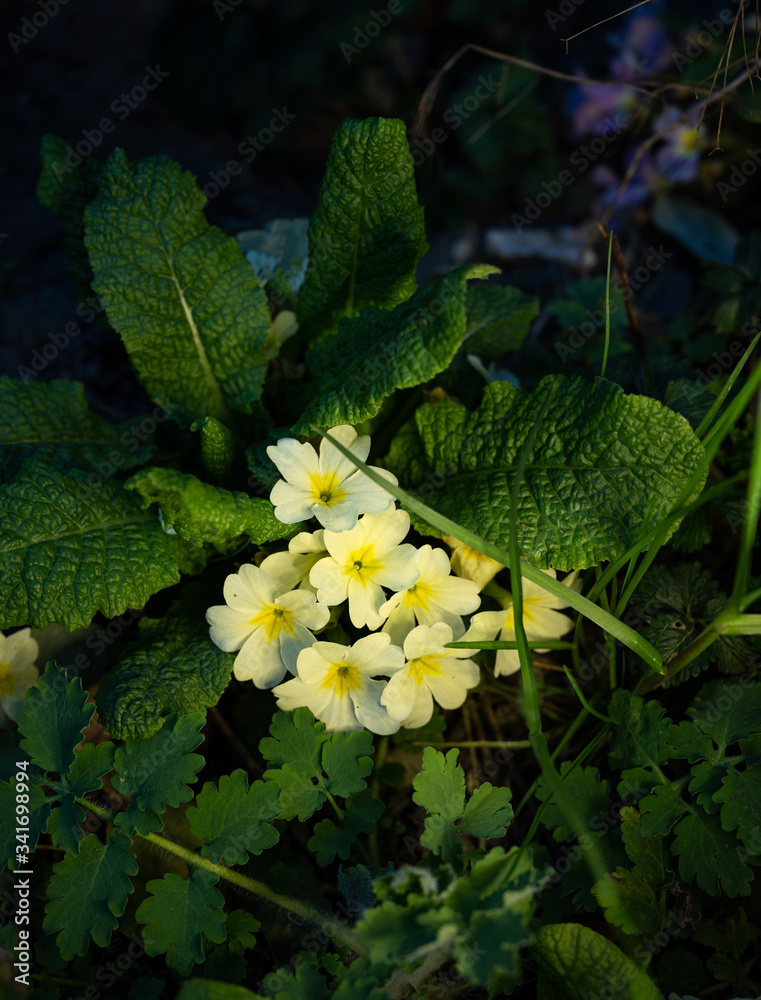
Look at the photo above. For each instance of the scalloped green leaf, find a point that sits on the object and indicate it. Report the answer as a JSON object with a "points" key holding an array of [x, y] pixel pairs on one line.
{"points": [[90, 764], [233, 819], [53, 719], [602, 467], [51, 422], [360, 815], [710, 855], [379, 351], [39, 813], [88, 893], [70, 549], [366, 235], [182, 296]]}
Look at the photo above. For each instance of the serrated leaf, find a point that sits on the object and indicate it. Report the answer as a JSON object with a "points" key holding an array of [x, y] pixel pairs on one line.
{"points": [[728, 710], [602, 466], [158, 772], [329, 840], [740, 796], [52, 720], [52, 423], [347, 762], [69, 550], [710, 856], [233, 819], [629, 902], [366, 235], [590, 793], [660, 810], [90, 764], [488, 812], [440, 788], [574, 961], [175, 668], [39, 811], [380, 351], [240, 928], [180, 914], [182, 296], [200, 512], [498, 319], [67, 190], [649, 856], [88, 892], [639, 734]]}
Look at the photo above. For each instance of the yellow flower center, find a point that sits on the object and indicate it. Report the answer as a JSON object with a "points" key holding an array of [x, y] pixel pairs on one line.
{"points": [[418, 595], [7, 679], [325, 489], [528, 616], [362, 564], [275, 620], [343, 677], [422, 666]]}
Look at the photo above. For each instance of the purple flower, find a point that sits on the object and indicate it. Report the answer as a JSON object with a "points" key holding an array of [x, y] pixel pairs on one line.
{"points": [[678, 156], [645, 48], [642, 185], [594, 105]]}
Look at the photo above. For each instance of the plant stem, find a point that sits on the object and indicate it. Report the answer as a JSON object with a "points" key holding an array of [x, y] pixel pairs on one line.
{"points": [[332, 927]]}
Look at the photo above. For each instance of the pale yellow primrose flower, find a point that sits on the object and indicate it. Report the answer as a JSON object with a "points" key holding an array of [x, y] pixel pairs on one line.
{"points": [[471, 564], [432, 673], [363, 561], [541, 620], [291, 568], [436, 596], [282, 328], [328, 487], [268, 626], [336, 683], [17, 670]]}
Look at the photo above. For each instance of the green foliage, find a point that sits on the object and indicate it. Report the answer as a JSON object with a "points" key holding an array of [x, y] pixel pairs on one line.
{"points": [[219, 446], [53, 719], [88, 893], [576, 963], [158, 772], [70, 550], [498, 319], [174, 668], [179, 292], [360, 816], [200, 512], [440, 787], [380, 351], [621, 460], [39, 813], [233, 819], [90, 764], [180, 914], [366, 235], [52, 423]]}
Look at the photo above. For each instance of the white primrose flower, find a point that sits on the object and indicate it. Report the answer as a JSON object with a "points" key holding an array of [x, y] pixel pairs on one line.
{"points": [[541, 620], [363, 561], [432, 673], [336, 683], [268, 626], [328, 487], [471, 564], [436, 596], [291, 568], [17, 670]]}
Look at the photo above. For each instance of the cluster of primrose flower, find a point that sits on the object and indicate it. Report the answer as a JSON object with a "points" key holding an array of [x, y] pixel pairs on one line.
{"points": [[391, 676]]}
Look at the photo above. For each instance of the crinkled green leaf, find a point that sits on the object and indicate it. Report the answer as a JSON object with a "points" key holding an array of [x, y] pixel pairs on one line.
{"points": [[69, 550], [158, 772], [311, 763], [602, 467], [360, 815], [710, 855], [740, 795], [180, 914], [590, 793], [379, 351], [53, 719], [67, 190], [200, 512], [175, 668], [39, 812], [575, 963], [51, 422], [88, 893], [366, 235], [219, 447], [629, 902], [90, 764], [498, 319], [233, 819], [182, 296]]}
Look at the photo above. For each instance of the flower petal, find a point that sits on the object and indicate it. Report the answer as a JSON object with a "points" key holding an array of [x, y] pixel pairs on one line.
{"points": [[229, 628], [331, 459], [260, 661], [331, 582], [305, 608], [295, 462]]}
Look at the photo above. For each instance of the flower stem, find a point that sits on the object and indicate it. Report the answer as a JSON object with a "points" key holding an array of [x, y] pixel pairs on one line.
{"points": [[332, 927]]}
